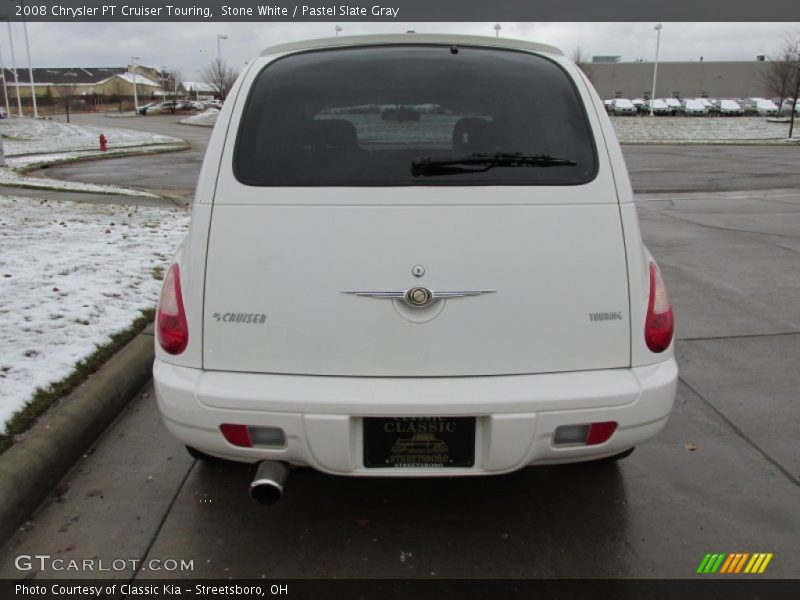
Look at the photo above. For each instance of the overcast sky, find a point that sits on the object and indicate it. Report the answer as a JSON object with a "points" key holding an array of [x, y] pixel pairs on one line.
{"points": [[189, 46]]}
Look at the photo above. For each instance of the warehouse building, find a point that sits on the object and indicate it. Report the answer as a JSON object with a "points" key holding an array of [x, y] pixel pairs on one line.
{"points": [[710, 79]]}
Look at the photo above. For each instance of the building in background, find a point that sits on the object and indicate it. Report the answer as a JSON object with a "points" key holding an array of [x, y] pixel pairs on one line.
{"points": [[710, 79]]}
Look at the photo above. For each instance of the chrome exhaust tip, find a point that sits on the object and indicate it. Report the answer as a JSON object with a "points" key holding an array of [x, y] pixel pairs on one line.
{"points": [[267, 485]]}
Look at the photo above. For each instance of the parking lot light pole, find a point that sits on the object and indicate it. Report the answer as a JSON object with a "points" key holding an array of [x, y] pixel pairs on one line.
{"points": [[30, 67], [5, 88], [497, 29], [338, 30], [14, 67], [135, 95], [658, 28], [219, 47]]}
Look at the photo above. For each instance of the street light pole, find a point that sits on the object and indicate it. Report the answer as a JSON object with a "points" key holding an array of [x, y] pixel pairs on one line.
{"points": [[219, 47], [135, 95], [658, 28], [497, 29], [14, 68], [5, 88], [30, 67], [338, 30]]}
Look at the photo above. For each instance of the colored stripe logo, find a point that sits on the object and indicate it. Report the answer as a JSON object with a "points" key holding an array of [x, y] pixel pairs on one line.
{"points": [[734, 563]]}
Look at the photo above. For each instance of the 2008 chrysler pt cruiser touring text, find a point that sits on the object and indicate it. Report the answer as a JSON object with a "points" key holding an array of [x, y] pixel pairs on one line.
{"points": [[413, 255]]}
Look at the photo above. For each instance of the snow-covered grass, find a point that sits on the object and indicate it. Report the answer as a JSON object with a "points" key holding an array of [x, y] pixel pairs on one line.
{"points": [[700, 130], [9, 176], [203, 119], [71, 275], [37, 136], [28, 161]]}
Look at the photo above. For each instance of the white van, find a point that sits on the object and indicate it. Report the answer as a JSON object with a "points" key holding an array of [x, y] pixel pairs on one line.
{"points": [[413, 234]]}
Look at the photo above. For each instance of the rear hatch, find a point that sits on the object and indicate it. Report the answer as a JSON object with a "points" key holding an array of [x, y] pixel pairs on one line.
{"points": [[319, 198]]}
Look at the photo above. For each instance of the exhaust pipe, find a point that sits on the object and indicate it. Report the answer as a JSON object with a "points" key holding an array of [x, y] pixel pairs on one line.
{"points": [[267, 485]]}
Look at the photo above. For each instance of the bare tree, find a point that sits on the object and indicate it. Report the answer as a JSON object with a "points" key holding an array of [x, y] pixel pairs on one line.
{"points": [[580, 58], [66, 91], [219, 76], [118, 88], [170, 83], [782, 75]]}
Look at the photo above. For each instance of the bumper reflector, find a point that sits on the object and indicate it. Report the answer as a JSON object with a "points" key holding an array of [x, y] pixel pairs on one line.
{"points": [[268, 436], [247, 437], [584, 435], [236, 435], [567, 435]]}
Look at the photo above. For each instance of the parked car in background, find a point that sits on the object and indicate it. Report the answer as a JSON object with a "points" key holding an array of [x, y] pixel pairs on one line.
{"points": [[213, 104], [728, 108], [190, 105], [786, 107], [3, 113], [607, 105], [281, 344], [167, 106], [761, 107], [142, 110], [707, 103], [623, 107], [692, 107], [659, 107], [639, 104], [674, 105]]}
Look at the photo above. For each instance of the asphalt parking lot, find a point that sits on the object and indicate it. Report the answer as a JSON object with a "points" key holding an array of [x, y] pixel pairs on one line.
{"points": [[724, 476]]}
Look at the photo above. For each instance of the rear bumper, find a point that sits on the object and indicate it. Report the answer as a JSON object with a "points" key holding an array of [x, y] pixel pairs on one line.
{"points": [[321, 416]]}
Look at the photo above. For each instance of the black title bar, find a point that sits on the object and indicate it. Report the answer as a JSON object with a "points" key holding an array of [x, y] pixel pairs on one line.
{"points": [[402, 10]]}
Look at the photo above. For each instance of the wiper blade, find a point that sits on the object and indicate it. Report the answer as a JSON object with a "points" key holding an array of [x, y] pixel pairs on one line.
{"points": [[481, 162]]}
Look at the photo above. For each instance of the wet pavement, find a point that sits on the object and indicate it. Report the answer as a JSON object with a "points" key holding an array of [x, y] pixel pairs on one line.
{"points": [[724, 475]]}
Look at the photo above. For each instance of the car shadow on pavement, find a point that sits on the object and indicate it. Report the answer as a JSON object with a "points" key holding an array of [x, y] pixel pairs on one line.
{"points": [[525, 524]]}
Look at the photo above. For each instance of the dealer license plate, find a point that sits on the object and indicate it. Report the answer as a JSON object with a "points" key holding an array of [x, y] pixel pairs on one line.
{"points": [[419, 442]]}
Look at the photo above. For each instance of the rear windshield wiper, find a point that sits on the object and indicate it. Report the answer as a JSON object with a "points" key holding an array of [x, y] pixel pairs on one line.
{"points": [[481, 162]]}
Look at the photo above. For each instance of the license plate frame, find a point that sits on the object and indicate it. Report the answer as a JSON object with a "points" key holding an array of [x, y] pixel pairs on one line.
{"points": [[419, 442]]}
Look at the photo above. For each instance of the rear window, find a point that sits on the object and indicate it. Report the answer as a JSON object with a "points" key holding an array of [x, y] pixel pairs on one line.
{"points": [[364, 116]]}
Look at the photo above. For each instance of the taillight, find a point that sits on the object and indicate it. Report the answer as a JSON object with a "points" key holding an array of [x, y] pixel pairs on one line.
{"points": [[660, 323], [171, 328]]}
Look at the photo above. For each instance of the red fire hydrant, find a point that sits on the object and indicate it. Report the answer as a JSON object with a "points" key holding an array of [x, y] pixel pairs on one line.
{"points": [[103, 143]]}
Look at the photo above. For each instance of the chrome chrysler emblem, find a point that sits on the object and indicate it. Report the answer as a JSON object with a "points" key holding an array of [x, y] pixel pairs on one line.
{"points": [[418, 297]]}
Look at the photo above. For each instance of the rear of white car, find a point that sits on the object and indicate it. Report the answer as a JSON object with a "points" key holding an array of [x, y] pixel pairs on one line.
{"points": [[413, 256]]}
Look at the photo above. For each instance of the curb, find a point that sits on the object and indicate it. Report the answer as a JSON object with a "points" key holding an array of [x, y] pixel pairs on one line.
{"points": [[31, 468]]}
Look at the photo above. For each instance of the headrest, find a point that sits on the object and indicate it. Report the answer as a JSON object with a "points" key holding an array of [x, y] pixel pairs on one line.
{"points": [[474, 134], [326, 134]]}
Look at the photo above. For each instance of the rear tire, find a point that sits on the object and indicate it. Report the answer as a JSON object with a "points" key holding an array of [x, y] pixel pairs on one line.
{"points": [[201, 456], [618, 457]]}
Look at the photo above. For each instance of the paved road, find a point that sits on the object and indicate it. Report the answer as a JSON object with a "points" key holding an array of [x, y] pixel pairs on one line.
{"points": [[723, 476], [174, 173], [712, 168]]}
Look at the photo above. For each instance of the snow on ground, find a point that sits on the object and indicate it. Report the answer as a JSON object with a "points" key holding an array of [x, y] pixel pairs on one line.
{"points": [[72, 274], [36, 136], [697, 130], [9, 176], [22, 162], [203, 119]]}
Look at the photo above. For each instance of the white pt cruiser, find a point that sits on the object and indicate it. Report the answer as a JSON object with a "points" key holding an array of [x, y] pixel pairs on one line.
{"points": [[413, 255]]}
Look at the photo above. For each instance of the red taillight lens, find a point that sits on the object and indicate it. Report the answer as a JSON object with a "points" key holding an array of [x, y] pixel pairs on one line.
{"points": [[236, 435], [171, 327], [660, 323]]}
